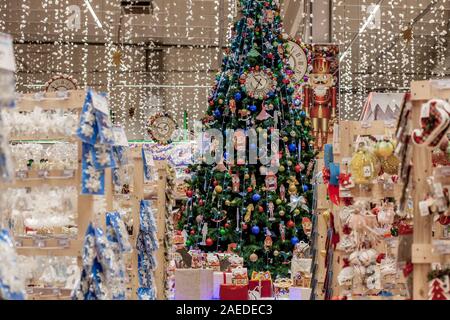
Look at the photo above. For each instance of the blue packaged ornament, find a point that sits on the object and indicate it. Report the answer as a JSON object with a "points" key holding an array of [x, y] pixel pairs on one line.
{"points": [[255, 230], [92, 179]]}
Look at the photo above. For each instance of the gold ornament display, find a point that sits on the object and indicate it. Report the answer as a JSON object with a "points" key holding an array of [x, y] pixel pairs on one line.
{"points": [[364, 166], [390, 165], [384, 149]]}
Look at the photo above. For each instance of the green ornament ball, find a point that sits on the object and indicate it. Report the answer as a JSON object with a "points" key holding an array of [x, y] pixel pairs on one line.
{"points": [[222, 231]]}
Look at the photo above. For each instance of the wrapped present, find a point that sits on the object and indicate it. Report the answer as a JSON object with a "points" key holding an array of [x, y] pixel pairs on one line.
{"points": [[300, 265], [198, 258], [281, 288], [233, 292], [212, 261], [262, 283], [302, 279], [239, 276], [220, 278], [193, 284], [236, 261], [299, 293]]}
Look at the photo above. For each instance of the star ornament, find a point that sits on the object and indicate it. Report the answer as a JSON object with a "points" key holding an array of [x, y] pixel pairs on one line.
{"points": [[117, 58]]}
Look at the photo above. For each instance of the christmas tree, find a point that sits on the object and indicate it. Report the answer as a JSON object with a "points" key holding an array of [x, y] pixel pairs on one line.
{"points": [[258, 208]]}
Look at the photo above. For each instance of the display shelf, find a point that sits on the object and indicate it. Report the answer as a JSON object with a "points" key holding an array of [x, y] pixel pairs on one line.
{"points": [[65, 100], [38, 293], [36, 178]]}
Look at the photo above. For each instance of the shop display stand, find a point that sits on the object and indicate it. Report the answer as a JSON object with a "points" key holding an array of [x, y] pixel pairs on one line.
{"points": [[423, 253], [138, 194], [57, 245], [343, 149]]}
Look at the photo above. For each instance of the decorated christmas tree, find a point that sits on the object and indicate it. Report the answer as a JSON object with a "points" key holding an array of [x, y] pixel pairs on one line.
{"points": [[257, 203]]}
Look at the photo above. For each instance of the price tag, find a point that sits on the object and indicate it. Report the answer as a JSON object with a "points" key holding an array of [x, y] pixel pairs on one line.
{"points": [[19, 243], [425, 111], [40, 243], [367, 170], [423, 208], [22, 174], [63, 243], [68, 173], [438, 192], [120, 137], [7, 60], [100, 103], [43, 173]]}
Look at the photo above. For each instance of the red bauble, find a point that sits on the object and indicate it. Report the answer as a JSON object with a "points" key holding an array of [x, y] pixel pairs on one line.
{"points": [[444, 220], [270, 55], [249, 189], [215, 183], [187, 171], [261, 209], [244, 226], [192, 232], [227, 225], [189, 193], [380, 257], [201, 203], [298, 168], [209, 242], [290, 224]]}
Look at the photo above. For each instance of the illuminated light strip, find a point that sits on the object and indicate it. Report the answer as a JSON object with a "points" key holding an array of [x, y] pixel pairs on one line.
{"points": [[362, 29], [91, 10]]}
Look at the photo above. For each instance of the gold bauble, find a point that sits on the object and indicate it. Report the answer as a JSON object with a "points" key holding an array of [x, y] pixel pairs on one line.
{"points": [[292, 188], [384, 149], [218, 189], [296, 212], [253, 257], [278, 201], [364, 166], [281, 169], [390, 165], [289, 163], [298, 123], [326, 216], [293, 133], [282, 213], [246, 176], [285, 139], [227, 202], [276, 253]]}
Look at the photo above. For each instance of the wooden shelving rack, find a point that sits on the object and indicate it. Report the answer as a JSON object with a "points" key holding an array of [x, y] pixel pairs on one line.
{"points": [[57, 245], [343, 148], [158, 196], [423, 253]]}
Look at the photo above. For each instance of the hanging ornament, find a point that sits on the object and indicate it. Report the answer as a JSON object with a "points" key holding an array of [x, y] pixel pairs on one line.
{"points": [[281, 213], [296, 202], [256, 197], [276, 253], [199, 218], [209, 242], [263, 115], [282, 228], [271, 182], [253, 180], [253, 257], [268, 240], [271, 208], [290, 224], [248, 213], [282, 192], [235, 183], [204, 234], [294, 240], [218, 189], [307, 226], [232, 105], [189, 193], [255, 230]]}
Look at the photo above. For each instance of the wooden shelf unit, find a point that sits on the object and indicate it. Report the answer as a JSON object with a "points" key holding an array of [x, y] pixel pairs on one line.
{"points": [[37, 246]]}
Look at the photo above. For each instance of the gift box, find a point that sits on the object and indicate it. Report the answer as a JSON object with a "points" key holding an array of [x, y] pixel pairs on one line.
{"points": [[239, 276], [263, 286], [299, 293], [302, 279], [220, 278], [233, 292], [193, 284], [281, 288]]}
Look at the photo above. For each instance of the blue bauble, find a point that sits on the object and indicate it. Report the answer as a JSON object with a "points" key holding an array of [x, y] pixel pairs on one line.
{"points": [[256, 197], [302, 114], [255, 230], [305, 188], [297, 102], [252, 108], [217, 113], [271, 94], [292, 147], [237, 96], [294, 240]]}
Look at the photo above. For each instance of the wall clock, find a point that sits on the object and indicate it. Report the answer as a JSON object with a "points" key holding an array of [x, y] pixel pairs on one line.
{"points": [[161, 127], [259, 83], [61, 82], [297, 59]]}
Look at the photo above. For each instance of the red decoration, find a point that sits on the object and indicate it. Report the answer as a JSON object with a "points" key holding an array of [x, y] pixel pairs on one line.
{"points": [[290, 224], [233, 292], [187, 170], [380, 257], [192, 232], [227, 225], [249, 189], [346, 229], [189, 193], [201, 202], [444, 220], [261, 209], [215, 183], [244, 226], [407, 269], [209, 242], [437, 291], [266, 287], [298, 168]]}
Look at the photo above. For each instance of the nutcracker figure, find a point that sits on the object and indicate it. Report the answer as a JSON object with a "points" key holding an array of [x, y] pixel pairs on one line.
{"points": [[321, 100]]}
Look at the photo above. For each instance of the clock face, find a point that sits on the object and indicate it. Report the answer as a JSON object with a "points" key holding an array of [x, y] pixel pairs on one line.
{"points": [[259, 84], [61, 83], [161, 128], [297, 60]]}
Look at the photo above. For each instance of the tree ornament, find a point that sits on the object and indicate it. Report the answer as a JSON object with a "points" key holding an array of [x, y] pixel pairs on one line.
{"points": [[292, 147], [248, 213], [249, 189], [237, 96], [227, 225], [278, 201], [199, 219], [260, 209], [252, 108], [281, 213], [276, 253], [256, 197], [294, 240], [384, 149], [282, 193], [246, 176], [189, 193], [227, 203], [209, 242], [255, 230], [201, 202], [290, 224], [253, 257], [282, 228], [222, 231], [218, 189], [244, 226], [188, 243], [192, 232], [281, 168], [271, 182], [271, 208], [298, 168]]}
